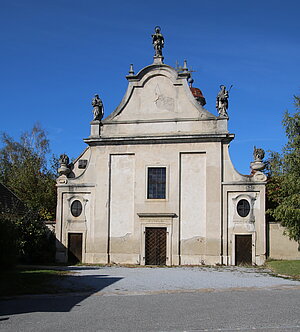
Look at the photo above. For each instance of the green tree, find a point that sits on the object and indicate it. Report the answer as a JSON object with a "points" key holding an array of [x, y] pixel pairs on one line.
{"points": [[9, 249], [23, 169], [283, 189], [24, 236]]}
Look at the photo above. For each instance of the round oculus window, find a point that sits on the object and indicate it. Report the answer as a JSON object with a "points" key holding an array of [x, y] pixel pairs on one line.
{"points": [[76, 208], [243, 208]]}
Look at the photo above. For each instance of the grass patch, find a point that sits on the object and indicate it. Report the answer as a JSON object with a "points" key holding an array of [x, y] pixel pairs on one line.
{"points": [[28, 280], [286, 268]]}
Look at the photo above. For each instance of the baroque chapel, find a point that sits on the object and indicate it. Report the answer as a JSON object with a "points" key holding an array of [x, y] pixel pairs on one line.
{"points": [[155, 184]]}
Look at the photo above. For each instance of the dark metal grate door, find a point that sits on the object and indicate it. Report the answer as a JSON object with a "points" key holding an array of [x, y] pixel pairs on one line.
{"points": [[243, 249], [155, 245], [74, 247]]}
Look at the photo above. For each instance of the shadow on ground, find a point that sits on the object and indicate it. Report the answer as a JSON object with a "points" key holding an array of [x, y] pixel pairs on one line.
{"points": [[74, 289], [77, 268]]}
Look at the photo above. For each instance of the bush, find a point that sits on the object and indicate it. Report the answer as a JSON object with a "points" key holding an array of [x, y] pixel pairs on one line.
{"points": [[8, 241], [37, 244], [25, 239]]}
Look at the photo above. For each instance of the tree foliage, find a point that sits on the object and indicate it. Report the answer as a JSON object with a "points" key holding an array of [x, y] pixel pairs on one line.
{"points": [[24, 236], [283, 188], [23, 169], [8, 241]]}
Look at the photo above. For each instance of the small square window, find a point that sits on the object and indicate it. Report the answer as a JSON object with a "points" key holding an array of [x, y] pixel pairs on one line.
{"points": [[156, 183]]}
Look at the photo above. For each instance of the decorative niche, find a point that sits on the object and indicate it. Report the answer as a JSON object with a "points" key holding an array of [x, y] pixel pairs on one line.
{"points": [[77, 209], [243, 207]]}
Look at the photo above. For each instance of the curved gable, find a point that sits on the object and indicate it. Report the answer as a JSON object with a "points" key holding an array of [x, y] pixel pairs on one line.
{"points": [[158, 92]]}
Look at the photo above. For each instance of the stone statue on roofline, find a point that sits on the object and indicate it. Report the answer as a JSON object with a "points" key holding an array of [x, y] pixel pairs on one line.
{"points": [[98, 109], [222, 101], [158, 42]]}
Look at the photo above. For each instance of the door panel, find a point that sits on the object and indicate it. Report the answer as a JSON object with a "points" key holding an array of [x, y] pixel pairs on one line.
{"points": [[74, 247], [243, 249], [155, 245]]}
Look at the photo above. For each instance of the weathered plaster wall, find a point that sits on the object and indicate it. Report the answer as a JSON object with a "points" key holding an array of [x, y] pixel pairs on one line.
{"points": [[236, 187], [280, 246], [193, 194], [158, 123], [122, 193], [193, 206], [253, 224], [121, 202], [205, 215]]}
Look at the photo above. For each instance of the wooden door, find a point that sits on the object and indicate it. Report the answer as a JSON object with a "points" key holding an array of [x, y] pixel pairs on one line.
{"points": [[155, 246], [74, 247], [243, 250]]}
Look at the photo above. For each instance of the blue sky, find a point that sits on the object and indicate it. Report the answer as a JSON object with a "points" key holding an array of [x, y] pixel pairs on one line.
{"points": [[55, 55]]}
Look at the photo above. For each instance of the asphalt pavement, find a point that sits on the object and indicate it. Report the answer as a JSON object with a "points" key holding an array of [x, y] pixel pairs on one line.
{"points": [[145, 280], [160, 299]]}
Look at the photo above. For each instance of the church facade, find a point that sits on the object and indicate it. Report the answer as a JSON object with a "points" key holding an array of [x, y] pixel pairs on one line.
{"points": [[156, 186]]}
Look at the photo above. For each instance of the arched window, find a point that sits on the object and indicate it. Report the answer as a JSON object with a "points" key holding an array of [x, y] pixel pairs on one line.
{"points": [[76, 208], [243, 208]]}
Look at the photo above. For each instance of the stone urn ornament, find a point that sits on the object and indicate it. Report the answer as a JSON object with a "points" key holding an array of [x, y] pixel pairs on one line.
{"points": [[64, 165], [258, 164]]}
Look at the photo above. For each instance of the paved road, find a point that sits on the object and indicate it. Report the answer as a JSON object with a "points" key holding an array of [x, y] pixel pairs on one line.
{"points": [[160, 299], [120, 280]]}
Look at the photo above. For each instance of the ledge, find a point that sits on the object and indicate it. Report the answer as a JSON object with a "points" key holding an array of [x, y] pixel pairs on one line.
{"points": [[226, 138], [75, 184], [157, 215], [176, 120], [243, 183]]}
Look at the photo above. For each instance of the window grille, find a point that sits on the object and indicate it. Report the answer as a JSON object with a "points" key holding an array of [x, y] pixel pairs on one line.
{"points": [[156, 183], [76, 208], [243, 208]]}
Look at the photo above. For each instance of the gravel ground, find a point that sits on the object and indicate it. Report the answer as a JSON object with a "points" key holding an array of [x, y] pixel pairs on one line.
{"points": [[125, 280]]}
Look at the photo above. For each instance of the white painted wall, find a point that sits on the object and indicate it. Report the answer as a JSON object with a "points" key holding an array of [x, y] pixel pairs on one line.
{"points": [[122, 195], [193, 195]]}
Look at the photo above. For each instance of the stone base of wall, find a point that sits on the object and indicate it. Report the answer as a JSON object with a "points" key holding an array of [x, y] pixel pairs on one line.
{"points": [[125, 259], [95, 258], [260, 260], [199, 260], [134, 259], [61, 257]]}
